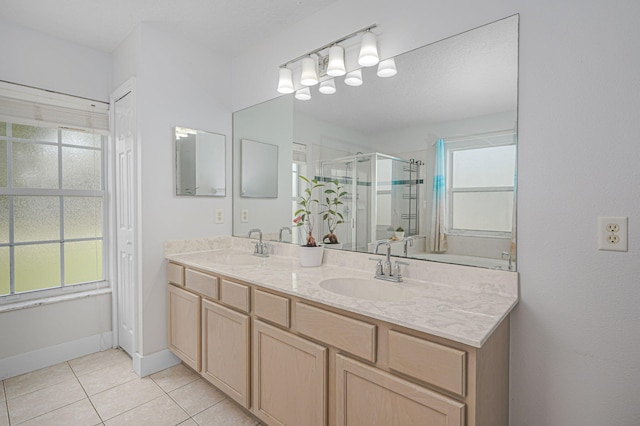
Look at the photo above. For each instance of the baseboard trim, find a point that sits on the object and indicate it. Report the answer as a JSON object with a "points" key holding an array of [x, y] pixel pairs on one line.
{"points": [[145, 365], [51, 355]]}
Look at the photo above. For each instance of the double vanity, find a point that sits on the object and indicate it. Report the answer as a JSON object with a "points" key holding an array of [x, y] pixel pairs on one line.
{"points": [[332, 345]]}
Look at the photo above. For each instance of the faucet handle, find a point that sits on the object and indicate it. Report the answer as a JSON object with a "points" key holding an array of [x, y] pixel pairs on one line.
{"points": [[379, 269]]}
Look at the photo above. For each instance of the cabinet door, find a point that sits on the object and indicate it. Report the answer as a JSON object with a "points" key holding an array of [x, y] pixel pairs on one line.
{"points": [[225, 350], [184, 325], [290, 373], [368, 396]]}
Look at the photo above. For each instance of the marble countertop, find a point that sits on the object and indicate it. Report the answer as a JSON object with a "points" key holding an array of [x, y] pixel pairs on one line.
{"points": [[465, 314]]}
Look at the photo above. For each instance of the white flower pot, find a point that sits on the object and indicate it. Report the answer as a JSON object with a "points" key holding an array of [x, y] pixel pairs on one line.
{"points": [[399, 235], [311, 256]]}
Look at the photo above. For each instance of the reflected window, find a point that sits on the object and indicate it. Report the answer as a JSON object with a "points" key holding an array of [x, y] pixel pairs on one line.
{"points": [[480, 186]]}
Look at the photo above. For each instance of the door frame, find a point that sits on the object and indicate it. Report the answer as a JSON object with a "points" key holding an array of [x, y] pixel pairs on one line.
{"points": [[128, 87]]}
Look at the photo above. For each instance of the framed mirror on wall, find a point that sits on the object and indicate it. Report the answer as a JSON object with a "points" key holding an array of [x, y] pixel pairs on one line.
{"points": [[381, 142], [258, 169], [200, 163]]}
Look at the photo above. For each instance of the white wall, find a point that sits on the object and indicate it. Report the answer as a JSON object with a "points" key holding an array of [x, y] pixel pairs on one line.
{"points": [[574, 335], [177, 83], [34, 59]]}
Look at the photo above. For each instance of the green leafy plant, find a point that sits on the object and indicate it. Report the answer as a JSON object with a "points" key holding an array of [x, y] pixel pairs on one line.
{"points": [[399, 229], [331, 215], [304, 215]]}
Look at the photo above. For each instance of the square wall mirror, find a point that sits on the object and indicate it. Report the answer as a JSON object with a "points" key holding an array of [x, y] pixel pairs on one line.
{"points": [[200, 162], [259, 169]]}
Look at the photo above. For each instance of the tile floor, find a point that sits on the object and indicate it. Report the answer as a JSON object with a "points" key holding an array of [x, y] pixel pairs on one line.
{"points": [[102, 389]]}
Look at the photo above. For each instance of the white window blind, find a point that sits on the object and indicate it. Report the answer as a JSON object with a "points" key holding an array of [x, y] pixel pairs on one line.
{"points": [[40, 107]]}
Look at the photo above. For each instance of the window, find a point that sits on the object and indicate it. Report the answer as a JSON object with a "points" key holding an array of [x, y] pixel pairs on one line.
{"points": [[480, 186], [52, 207]]}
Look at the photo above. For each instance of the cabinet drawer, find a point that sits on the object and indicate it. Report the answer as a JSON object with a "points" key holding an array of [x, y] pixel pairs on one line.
{"points": [[205, 284], [271, 307], [348, 334], [235, 294], [431, 362], [175, 274]]}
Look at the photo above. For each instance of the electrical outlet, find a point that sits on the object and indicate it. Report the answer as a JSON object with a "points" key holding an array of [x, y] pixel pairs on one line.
{"points": [[244, 215], [612, 233], [219, 216]]}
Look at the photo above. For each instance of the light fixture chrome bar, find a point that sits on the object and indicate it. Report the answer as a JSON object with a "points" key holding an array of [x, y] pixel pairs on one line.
{"points": [[328, 45]]}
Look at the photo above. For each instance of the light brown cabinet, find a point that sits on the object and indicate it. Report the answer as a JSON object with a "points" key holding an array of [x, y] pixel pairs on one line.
{"points": [[184, 325], [291, 361], [372, 397], [289, 384]]}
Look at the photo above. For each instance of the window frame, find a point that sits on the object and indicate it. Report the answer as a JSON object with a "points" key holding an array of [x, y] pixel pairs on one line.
{"points": [[489, 140], [60, 193]]}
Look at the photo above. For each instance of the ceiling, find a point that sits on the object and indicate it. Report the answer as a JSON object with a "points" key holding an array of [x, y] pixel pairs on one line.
{"points": [[224, 26]]}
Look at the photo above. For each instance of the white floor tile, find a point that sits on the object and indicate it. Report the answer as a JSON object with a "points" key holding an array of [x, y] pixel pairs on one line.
{"points": [[162, 411], [42, 401], [79, 413], [39, 379], [174, 377], [197, 396], [119, 399]]}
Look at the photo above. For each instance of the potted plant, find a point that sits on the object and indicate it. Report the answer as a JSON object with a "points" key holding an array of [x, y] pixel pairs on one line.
{"points": [[331, 215], [399, 233], [310, 253]]}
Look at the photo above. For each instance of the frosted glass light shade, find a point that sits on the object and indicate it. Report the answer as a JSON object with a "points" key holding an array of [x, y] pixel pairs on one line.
{"points": [[327, 87], [303, 94], [285, 81], [309, 73], [387, 68], [353, 78], [368, 50], [336, 62]]}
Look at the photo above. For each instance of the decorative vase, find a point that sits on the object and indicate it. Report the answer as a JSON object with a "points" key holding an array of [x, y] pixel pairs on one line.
{"points": [[399, 235], [311, 256]]}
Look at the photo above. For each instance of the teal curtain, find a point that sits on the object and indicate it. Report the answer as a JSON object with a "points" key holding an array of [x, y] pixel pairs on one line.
{"points": [[438, 243]]}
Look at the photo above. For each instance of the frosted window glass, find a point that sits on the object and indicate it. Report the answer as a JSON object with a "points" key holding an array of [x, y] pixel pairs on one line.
{"points": [[41, 134], [81, 168], [385, 167], [69, 137], [3, 164], [4, 270], [4, 219], [82, 262], [37, 267], [482, 167], [82, 217], [34, 165], [3, 129], [487, 211], [36, 218]]}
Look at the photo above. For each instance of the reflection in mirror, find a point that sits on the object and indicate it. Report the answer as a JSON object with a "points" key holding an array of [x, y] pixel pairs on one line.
{"points": [[200, 162], [259, 169], [427, 157]]}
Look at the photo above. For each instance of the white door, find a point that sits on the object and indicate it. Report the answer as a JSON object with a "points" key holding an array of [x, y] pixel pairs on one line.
{"points": [[124, 197]]}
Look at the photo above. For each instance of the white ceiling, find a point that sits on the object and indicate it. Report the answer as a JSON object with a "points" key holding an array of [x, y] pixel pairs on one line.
{"points": [[224, 26]]}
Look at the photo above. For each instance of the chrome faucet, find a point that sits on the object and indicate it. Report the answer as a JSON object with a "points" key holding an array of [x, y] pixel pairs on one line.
{"points": [[261, 249], [384, 270], [407, 240], [507, 255], [284, 228]]}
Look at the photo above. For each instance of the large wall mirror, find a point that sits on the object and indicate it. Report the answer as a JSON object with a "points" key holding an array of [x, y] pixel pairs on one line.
{"points": [[430, 152], [200, 162]]}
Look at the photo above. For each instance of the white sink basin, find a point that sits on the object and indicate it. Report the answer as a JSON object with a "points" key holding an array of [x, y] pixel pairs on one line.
{"points": [[370, 289]]}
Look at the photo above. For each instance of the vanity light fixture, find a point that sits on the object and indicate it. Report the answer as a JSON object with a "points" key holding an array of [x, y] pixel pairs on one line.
{"points": [[336, 66], [327, 87], [368, 50], [353, 78], [387, 68], [285, 81], [309, 75], [320, 65], [303, 94]]}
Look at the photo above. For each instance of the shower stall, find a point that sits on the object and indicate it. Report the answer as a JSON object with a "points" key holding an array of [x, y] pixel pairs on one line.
{"points": [[382, 195]]}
